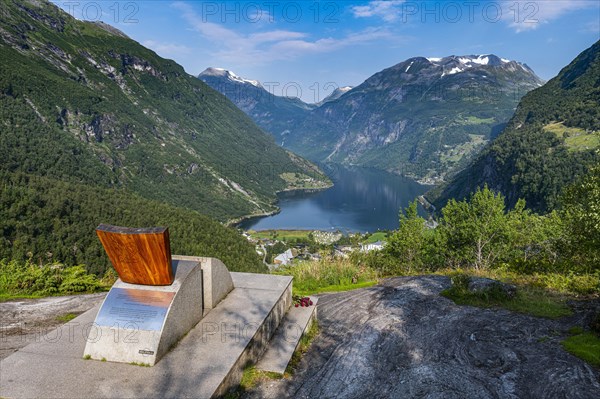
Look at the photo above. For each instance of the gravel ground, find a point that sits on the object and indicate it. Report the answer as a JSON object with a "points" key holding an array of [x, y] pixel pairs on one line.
{"points": [[401, 339], [23, 322]]}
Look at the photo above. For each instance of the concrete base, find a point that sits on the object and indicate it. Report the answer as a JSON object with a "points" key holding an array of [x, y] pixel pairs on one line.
{"points": [[207, 362], [287, 338], [140, 323], [216, 280]]}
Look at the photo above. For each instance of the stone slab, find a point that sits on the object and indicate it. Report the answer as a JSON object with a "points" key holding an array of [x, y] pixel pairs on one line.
{"points": [[216, 279], [139, 324], [207, 362], [287, 337], [260, 281]]}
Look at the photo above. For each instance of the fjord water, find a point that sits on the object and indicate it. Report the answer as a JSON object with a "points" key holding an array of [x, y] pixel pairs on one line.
{"points": [[362, 200]]}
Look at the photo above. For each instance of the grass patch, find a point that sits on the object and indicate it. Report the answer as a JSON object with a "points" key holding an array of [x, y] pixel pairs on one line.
{"points": [[302, 348], [535, 302], [456, 153], [250, 378], [329, 275], [560, 130], [87, 357], [576, 330], [585, 346], [583, 142], [140, 364], [474, 120], [302, 181], [558, 283], [6, 296], [66, 317], [576, 139], [379, 236], [336, 288], [282, 235]]}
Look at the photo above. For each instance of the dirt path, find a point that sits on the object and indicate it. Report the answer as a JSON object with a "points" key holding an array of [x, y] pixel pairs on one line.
{"points": [[401, 339], [23, 322]]}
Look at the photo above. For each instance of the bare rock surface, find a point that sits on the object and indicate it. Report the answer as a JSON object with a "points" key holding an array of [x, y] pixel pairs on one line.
{"points": [[401, 339], [25, 321]]}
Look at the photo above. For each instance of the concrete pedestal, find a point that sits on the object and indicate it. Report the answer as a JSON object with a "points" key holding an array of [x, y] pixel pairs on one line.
{"points": [[206, 362], [140, 323]]}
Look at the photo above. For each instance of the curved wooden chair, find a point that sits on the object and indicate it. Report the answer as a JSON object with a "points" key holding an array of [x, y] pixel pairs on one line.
{"points": [[140, 256]]}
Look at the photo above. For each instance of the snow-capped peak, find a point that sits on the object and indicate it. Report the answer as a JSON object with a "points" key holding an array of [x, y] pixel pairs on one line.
{"points": [[481, 60], [229, 75], [469, 60], [455, 64]]}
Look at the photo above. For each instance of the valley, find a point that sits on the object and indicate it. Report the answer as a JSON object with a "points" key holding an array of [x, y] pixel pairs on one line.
{"points": [[423, 118], [443, 211], [362, 199]]}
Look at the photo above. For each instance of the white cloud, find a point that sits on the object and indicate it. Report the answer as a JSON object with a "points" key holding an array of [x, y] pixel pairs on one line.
{"points": [[524, 16], [387, 10], [291, 47], [238, 49], [592, 27], [167, 49], [275, 36]]}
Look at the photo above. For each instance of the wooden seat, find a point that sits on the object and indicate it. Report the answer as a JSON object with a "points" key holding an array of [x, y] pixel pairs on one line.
{"points": [[140, 256]]}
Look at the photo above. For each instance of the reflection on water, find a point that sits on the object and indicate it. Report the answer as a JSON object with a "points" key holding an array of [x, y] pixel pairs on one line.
{"points": [[361, 200]]}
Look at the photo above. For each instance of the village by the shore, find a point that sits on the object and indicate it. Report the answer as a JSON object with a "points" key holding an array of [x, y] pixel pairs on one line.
{"points": [[286, 247]]}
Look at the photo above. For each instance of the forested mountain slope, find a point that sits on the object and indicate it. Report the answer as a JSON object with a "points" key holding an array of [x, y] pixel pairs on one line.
{"points": [[46, 220], [95, 128], [80, 101], [553, 138]]}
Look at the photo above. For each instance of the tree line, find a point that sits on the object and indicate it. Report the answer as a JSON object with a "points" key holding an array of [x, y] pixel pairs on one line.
{"points": [[45, 220], [481, 233]]}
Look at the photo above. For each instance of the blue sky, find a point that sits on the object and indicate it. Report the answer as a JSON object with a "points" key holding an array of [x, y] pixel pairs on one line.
{"points": [[306, 48]]}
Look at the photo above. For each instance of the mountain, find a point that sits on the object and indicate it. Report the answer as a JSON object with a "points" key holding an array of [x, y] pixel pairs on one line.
{"points": [[275, 114], [337, 93], [81, 102], [421, 118], [552, 138]]}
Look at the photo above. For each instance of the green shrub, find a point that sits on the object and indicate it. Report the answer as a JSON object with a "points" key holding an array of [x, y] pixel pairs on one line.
{"points": [[531, 301], [460, 281], [28, 279]]}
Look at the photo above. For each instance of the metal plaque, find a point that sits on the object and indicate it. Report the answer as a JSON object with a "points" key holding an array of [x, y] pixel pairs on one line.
{"points": [[135, 309]]}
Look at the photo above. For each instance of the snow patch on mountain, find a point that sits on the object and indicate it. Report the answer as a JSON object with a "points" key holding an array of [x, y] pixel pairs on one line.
{"points": [[481, 60], [452, 71], [229, 75]]}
